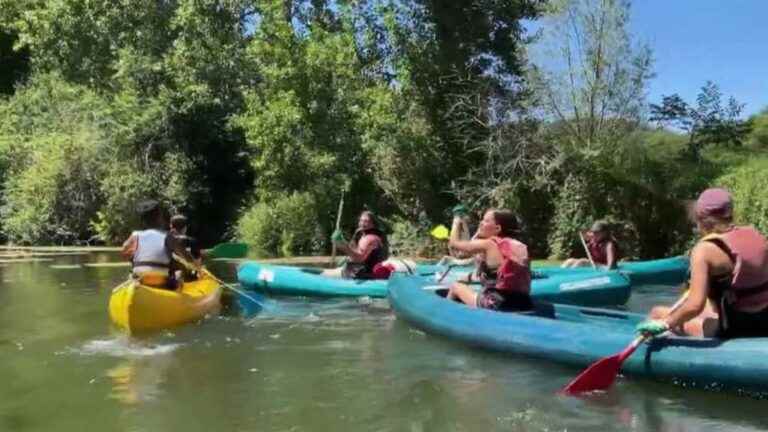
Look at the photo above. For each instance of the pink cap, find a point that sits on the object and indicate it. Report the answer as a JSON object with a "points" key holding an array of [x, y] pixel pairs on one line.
{"points": [[714, 202]]}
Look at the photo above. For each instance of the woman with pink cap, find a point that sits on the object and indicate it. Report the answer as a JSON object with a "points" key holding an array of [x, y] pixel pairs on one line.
{"points": [[729, 267]]}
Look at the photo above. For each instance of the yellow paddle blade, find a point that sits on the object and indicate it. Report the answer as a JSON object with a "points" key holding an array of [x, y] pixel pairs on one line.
{"points": [[440, 232]]}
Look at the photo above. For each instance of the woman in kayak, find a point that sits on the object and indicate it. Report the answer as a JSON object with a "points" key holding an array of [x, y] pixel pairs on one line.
{"points": [[368, 248], [729, 267], [503, 265], [151, 249], [601, 246]]}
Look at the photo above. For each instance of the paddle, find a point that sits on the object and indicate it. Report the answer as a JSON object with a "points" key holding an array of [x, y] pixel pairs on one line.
{"points": [[338, 225], [601, 374], [445, 273], [239, 292], [589, 255], [191, 267], [440, 232], [228, 250]]}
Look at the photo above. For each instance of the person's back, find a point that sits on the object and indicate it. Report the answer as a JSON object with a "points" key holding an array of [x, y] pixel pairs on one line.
{"points": [[147, 248]]}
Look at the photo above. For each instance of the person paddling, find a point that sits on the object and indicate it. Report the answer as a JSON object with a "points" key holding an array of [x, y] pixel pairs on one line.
{"points": [[602, 248], [503, 264], [728, 266], [179, 226], [369, 247], [151, 249]]}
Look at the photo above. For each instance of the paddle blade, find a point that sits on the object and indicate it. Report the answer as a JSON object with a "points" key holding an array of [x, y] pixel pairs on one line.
{"points": [[440, 232], [229, 250], [602, 374], [599, 376]]}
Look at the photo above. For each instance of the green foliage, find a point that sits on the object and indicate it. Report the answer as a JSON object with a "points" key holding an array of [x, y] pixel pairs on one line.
{"points": [[758, 138], [56, 145], [414, 239], [284, 226], [707, 123], [747, 186]]}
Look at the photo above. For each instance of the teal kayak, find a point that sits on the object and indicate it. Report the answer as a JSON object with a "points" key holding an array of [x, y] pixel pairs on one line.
{"points": [[596, 288], [665, 271], [579, 336]]}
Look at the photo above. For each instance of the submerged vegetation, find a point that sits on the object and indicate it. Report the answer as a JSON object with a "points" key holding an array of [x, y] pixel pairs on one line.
{"points": [[252, 116]]}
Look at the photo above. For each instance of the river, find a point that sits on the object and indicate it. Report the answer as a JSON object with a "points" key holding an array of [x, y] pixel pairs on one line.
{"points": [[300, 365]]}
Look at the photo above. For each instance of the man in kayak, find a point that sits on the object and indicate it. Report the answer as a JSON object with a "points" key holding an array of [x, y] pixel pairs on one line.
{"points": [[368, 248], [602, 248], [728, 266], [151, 249], [503, 264]]}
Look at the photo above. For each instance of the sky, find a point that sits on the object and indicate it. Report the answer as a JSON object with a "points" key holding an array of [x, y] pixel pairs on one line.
{"points": [[725, 41]]}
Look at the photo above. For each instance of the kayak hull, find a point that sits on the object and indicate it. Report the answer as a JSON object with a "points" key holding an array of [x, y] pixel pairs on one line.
{"points": [[580, 336], [585, 288], [665, 271], [139, 308]]}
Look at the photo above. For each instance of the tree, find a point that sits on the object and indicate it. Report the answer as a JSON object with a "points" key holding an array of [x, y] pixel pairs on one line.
{"points": [[708, 123], [591, 79]]}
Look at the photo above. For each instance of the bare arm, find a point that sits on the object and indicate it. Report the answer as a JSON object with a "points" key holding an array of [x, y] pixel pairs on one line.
{"points": [[610, 252], [697, 290], [473, 246], [365, 246], [129, 247]]}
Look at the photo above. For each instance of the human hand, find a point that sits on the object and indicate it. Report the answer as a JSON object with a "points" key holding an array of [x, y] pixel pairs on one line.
{"points": [[652, 327], [460, 211], [337, 237]]}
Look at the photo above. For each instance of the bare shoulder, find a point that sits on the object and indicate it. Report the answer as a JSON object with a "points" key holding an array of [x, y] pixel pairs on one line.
{"points": [[708, 252]]}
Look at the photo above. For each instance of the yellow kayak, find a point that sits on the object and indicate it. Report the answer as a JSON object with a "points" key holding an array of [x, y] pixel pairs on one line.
{"points": [[140, 308]]}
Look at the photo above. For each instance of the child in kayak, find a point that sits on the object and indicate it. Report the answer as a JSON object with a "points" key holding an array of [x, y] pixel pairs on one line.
{"points": [[368, 248], [503, 264], [602, 248], [150, 249], [728, 267], [178, 230]]}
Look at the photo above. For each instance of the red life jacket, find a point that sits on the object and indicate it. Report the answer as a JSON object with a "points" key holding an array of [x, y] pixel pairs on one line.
{"points": [[514, 273], [748, 250]]}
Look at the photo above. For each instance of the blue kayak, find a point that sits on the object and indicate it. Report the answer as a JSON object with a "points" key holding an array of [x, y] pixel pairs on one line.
{"points": [[665, 271], [594, 288], [580, 336]]}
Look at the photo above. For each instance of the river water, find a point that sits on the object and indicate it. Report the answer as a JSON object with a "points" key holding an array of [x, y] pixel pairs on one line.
{"points": [[300, 365]]}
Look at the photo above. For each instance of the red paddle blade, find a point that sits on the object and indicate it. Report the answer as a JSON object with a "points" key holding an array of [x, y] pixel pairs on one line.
{"points": [[602, 374], [599, 376]]}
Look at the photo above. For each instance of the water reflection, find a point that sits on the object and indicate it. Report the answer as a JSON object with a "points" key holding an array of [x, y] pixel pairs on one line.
{"points": [[136, 381]]}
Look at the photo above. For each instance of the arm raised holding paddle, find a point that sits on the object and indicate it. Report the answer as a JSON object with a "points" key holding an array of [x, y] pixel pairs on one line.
{"points": [[368, 247]]}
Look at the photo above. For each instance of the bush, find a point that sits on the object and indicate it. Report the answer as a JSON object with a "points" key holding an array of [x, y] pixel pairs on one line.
{"points": [[54, 197], [410, 239], [758, 138], [747, 185], [285, 226]]}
